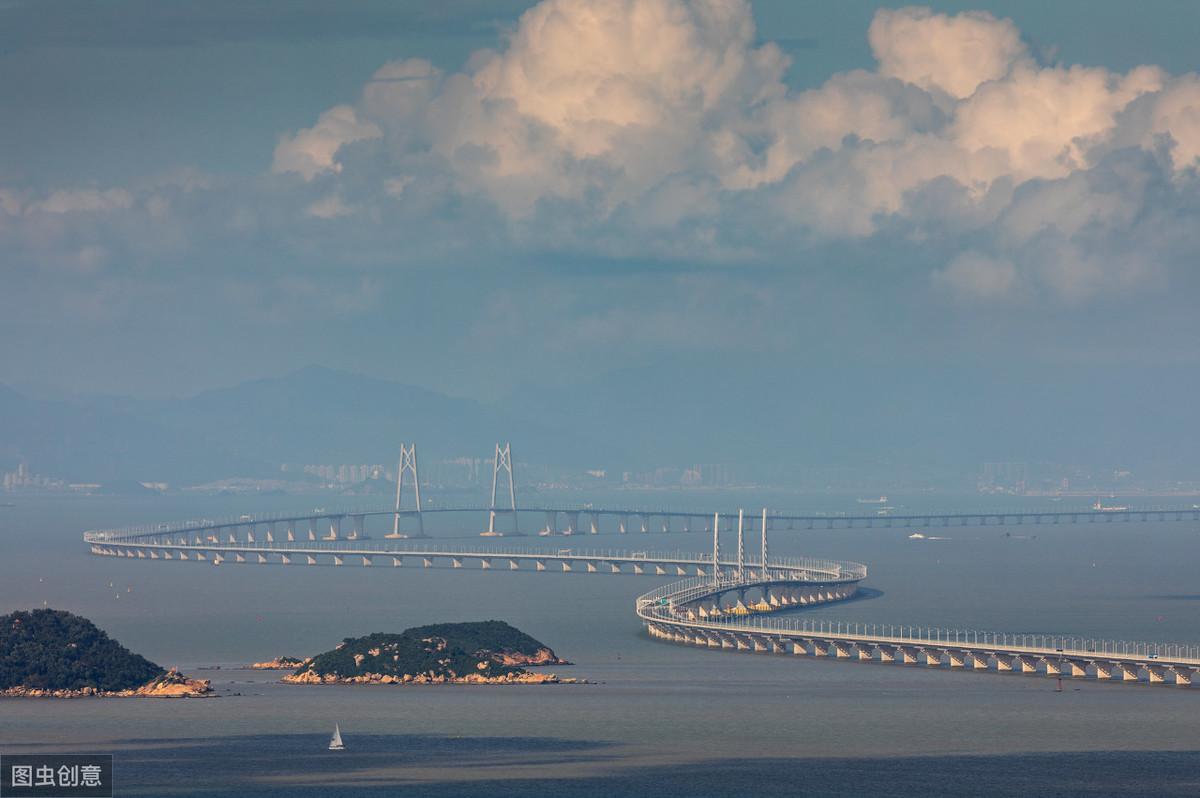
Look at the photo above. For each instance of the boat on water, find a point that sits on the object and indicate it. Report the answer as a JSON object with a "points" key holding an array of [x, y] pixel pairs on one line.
{"points": [[335, 742], [1109, 508], [880, 500]]}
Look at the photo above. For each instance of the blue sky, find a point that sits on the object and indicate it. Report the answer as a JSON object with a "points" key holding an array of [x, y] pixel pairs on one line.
{"points": [[484, 195]]}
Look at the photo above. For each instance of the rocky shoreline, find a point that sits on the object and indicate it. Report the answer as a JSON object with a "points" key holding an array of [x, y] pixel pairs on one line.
{"points": [[170, 685], [542, 657], [308, 677], [278, 664]]}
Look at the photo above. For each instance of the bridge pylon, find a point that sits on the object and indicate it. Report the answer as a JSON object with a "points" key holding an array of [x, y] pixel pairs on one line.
{"points": [[741, 545], [503, 463], [408, 465], [763, 560], [716, 560]]}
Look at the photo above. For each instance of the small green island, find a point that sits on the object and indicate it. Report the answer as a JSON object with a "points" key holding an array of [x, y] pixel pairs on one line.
{"points": [[284, 663], [55, 654], [482, 652]]}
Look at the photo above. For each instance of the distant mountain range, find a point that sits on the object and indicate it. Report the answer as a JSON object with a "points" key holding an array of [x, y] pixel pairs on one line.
{"points": [[766, 418]]}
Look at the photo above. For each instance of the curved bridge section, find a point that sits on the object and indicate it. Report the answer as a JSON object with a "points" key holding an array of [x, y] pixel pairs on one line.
{"points": [[203, 546], [726, 613]]}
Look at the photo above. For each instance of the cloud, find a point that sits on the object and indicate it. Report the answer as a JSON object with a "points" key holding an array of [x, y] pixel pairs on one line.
{"points": [[659, 131], [978, 276], [86, 200], [938, 52], [314, 150]]}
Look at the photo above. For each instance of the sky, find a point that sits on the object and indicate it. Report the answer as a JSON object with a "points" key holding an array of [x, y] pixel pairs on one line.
{"points": [[479, 196]]}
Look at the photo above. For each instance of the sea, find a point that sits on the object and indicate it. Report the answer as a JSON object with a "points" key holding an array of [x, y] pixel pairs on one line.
{"points": [[653, 719]]}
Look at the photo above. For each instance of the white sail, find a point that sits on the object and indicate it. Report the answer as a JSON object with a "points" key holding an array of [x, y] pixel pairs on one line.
{"points": [[335, 743]]}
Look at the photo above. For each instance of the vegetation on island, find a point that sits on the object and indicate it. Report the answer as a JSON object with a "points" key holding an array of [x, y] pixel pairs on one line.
{"points": [[284, 663], [52, 650], [483, 651]]}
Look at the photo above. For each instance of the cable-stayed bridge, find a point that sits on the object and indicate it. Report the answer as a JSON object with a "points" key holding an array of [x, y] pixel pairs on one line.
{"points": [[726, 600]]}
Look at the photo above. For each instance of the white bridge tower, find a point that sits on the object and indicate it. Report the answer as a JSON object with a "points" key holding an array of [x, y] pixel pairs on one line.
{"points": [[503, 462], [408, 465]]}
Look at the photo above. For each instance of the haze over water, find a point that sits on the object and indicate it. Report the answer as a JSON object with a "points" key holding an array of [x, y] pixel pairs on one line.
{"points": [[652, 705]]}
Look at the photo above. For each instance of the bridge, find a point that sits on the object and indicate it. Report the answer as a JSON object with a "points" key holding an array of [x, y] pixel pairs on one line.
{"points": [[697, 612], [724, 603], [351, 523]]}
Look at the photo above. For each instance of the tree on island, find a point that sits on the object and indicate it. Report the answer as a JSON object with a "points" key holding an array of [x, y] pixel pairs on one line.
{"points": [[56, 650]]}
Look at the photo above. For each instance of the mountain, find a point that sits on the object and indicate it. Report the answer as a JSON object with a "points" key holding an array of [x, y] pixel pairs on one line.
{"points": [[770, 417], [313, 415]]}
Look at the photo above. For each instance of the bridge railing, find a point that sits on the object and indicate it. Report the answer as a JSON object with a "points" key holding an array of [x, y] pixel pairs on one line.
{"points": [[824, 569], [200, 524], [663, 604]]}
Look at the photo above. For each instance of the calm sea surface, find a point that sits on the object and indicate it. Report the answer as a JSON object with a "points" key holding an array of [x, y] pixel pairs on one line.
{"points": [[659, 719]]}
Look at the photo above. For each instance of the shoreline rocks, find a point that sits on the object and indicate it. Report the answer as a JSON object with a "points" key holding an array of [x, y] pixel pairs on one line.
{"points": [[310, 678], [284, 663], [170, 685]]}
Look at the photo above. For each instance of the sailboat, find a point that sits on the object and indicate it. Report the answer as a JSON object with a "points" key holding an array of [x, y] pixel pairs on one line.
{"points": [[335, 742]]}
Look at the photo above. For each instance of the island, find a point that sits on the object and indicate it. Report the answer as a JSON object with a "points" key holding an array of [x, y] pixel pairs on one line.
{"points": [[54, 654], [482, 652], [284, 663]]}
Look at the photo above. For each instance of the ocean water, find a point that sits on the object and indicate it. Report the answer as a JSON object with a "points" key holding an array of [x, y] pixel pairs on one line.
{"points": [[657, 719]]}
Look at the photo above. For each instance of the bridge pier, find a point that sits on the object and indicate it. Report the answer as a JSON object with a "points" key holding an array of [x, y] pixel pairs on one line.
{"points": [[931, 658], [1078, 669], [594, 523]]}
